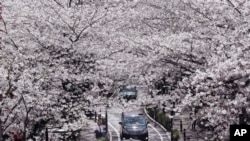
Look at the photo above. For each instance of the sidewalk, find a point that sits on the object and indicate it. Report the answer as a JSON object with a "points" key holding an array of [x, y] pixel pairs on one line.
{"points": [[191, 135], [87, 133]]}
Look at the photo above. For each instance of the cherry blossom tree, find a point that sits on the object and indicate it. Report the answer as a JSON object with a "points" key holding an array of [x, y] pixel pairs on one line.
{"points": [[48, 63], [58, 56], [218, 79]]}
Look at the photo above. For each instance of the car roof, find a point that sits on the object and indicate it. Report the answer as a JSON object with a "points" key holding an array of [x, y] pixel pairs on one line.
{"points": [[131, 113], [128, 89]]}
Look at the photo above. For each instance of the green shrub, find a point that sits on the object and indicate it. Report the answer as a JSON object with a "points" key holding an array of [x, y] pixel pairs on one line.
{"points": [[176, 134], [150, 112], [161, 117], [101, 139]]}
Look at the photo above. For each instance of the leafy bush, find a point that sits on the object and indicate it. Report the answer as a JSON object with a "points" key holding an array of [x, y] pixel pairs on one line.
{"points": [[176, 134], [101, 139], [150, 112], [162, 118]]}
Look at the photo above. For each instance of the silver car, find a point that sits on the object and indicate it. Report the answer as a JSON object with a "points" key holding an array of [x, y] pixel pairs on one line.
{"points": [[134, 125], [128, 92]]}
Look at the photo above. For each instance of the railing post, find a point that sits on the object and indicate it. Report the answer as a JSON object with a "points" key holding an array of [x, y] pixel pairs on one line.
{"points": [[181, 125], [184, 134], [106, 115], [171, 134], [171, 123], [95, 116], [46, 135], [155, 113]]}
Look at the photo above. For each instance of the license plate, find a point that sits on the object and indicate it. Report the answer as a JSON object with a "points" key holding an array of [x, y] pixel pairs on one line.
{"points": [[136, 137]]}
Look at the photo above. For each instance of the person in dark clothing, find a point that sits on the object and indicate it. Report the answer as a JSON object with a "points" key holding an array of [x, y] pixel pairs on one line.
{"points": [[194, 124], [190, 116], [6, 136], [195, 111], [18, 136], [99, 132]]}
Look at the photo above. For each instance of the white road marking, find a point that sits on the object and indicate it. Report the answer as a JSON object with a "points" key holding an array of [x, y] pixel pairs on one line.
{"points": [[156, 131], [118, 134], [110, 136]]}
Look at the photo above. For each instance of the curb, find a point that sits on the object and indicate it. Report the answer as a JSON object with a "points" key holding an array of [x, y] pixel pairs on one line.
{"points": [[163, 128]]}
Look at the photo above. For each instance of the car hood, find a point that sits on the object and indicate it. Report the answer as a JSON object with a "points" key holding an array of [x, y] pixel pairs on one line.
{"points": [[135, 128]]}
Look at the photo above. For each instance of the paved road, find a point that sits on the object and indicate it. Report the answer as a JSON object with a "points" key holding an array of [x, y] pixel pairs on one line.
{"points": [[115, 109], [114, 115], [87, 133]]}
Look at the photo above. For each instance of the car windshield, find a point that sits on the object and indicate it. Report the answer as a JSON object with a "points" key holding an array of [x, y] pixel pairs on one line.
{"points": [[135, 120], [128, 90]]}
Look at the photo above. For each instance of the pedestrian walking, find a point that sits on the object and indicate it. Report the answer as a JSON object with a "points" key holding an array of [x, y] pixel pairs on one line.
{"points": [[194, 125], [100, 131]]}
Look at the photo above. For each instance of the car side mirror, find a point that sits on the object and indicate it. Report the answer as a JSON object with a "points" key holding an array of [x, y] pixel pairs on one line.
{"points": [[120, 123]]}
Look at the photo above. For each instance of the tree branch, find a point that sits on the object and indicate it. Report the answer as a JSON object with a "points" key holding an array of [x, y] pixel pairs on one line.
{"points": [[198, 11], [58, 3], [12, 109], [5, 26], [236, 9]]}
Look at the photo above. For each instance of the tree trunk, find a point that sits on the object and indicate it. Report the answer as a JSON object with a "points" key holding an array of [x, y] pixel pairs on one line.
{"points": [[70, 1]]}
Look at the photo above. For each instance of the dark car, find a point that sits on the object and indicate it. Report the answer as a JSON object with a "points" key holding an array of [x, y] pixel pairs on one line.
{"points": [[128, 92], [134, 125]]}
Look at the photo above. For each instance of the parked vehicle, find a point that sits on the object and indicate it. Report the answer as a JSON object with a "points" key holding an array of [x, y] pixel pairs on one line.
{"points": [[134, 125], [128, 92]]}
